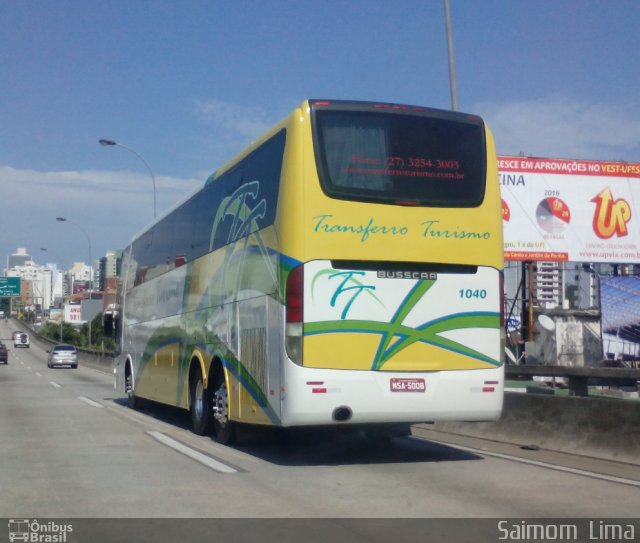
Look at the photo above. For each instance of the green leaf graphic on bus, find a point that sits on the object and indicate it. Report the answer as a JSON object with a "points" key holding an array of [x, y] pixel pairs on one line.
{"points": [[349, 285], [396, 336], [244, 219], [237, 219]]}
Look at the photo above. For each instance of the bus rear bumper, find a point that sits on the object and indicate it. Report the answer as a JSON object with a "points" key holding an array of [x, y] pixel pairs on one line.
{"points": [[325, 397]]}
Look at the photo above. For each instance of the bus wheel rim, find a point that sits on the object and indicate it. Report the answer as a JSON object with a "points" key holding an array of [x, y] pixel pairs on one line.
{"points": [[220, 405]]}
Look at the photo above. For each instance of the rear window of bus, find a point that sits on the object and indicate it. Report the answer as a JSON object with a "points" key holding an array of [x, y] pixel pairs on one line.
{"points": [[412, 159]]}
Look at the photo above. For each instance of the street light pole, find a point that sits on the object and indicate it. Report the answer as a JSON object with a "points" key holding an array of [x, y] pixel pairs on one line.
{"points": [[452, 67], [112, 143], [63, 219]]}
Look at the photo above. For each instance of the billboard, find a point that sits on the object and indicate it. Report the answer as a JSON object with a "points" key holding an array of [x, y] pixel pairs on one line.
{"points": [[73, 314], [570, 210]]}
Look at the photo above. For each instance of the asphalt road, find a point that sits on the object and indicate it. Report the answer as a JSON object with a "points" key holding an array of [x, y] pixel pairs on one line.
{"points": [[70, 448]]}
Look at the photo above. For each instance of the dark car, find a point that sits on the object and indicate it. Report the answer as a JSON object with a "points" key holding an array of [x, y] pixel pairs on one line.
{"points": [[62, 355], [4, 353]]}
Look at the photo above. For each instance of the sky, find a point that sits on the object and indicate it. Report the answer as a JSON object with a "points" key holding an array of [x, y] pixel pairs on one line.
{"points": [[185, 85]]}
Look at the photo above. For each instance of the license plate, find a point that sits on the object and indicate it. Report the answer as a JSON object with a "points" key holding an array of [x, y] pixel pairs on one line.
{"points": [[405, 384]]}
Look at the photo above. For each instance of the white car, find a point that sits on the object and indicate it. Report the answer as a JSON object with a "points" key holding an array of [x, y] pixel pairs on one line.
{"points": [[20, 339]]}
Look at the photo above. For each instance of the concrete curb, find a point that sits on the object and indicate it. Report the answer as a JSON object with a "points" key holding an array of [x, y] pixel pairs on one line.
{"points": [[599, 428]]}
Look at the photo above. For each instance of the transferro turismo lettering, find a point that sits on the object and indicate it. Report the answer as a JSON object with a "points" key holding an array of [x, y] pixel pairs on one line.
{"points": [[364, 230], [432, 230]]}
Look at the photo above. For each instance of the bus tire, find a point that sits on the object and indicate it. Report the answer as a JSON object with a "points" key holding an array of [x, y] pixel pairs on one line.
{"points": [[201, 405], [133, 401], [224, 429]]}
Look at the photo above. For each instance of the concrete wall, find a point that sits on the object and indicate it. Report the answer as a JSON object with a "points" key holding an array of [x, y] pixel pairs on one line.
{"points": [[102, 362], [601, 428]]}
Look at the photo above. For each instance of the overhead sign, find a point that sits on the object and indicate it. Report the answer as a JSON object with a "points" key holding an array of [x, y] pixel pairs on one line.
{"points": [[570, 210], [10, 286]]}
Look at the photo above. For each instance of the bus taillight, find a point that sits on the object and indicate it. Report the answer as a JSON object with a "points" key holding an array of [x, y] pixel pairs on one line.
{"points": [[294, 312], [502, 299], [295, 295], [503, 331]]}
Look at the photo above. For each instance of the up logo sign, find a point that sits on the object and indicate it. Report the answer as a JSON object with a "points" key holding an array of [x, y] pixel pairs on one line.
{"points": [[611, 216]]}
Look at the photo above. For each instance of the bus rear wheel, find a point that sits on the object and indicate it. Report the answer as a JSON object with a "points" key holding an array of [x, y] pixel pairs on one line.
{"points": [[224, 429], [132, 401], [201, 406]]}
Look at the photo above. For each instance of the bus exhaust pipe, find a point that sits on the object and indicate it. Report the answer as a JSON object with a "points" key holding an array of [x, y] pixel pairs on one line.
{"points": [[342, 414]]}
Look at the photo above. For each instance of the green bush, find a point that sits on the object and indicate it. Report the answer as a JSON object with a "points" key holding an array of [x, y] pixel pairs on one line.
{"points": [[66, 333]]}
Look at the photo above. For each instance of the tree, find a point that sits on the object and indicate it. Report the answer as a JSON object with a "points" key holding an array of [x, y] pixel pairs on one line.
{"points": [[99, 341], [63, 333], [66, 333]]}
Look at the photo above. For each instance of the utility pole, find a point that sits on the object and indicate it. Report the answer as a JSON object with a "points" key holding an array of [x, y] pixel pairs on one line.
{"points": [[452, 66]]}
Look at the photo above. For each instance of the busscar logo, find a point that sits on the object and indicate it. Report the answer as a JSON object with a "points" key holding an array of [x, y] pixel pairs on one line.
{"points": [[428, 276], [34, 531]]}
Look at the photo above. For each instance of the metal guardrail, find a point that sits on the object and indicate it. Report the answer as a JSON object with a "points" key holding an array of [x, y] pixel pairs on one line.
{"points": [[579, 378]]}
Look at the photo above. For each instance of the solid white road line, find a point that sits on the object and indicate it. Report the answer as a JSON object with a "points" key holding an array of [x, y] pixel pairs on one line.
{"points": [[89, 401], [192, 453]]}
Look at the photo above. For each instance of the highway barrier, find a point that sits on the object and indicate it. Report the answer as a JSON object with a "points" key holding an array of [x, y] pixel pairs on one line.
{"points": [[595, 427], [579, 378], [97, 360]]}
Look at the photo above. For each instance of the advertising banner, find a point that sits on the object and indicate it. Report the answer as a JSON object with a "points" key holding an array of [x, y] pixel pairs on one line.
{"points": [[73, 314], [570, 210]]}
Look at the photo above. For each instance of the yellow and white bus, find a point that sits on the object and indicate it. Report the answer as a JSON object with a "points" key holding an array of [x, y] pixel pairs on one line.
{"points": [[345, 269]]}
